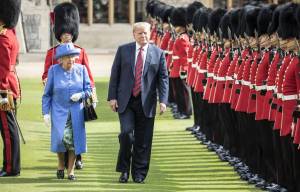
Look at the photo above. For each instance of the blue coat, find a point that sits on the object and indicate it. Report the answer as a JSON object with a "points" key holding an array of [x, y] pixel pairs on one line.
{"points": [[61, 85]]}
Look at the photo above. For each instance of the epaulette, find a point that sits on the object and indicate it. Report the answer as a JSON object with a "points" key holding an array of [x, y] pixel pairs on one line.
{"points": [[2, 30]]}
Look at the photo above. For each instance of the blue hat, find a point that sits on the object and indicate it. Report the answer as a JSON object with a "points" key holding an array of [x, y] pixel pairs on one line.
{"points": [[66, 49]]}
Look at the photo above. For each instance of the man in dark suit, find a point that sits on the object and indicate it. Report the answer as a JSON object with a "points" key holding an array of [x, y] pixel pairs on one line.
{"points": [[138, 73]]}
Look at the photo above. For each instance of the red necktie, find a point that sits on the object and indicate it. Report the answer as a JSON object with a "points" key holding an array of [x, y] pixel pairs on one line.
{"points": [[138, 73]]}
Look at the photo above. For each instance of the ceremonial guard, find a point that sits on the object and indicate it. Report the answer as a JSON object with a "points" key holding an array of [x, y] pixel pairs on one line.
{"points": [[179, 65], [9, 87]]}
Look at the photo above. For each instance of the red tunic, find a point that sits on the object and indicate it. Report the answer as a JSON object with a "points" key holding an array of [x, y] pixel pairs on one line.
{"points": [[165, 40], [279, 81], [201, 72], [83, 59], [9, 49], [221, 78], [252, 96], [242, 101], [260, 84], [193, 69], [229, 78], [153, 35], [270, 86], [215, 75], [238, 74], [180, 55], [170, 53], [210, 70], [289, 99]]}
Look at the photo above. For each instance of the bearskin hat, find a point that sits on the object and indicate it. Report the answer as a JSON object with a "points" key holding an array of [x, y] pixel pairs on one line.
{"points": [[178, 17], [297, 16], [264, 18], [10, 12], [235, 21], [225, 24], [214, 19], [273, 26], [149, 7], [196, 19], [203, 18], [158, 9], [251, 21], [166, 13], [287, 22], [191, 9], [66, 20]]}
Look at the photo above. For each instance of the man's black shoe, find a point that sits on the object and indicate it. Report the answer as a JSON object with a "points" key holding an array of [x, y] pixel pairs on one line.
{"points": [[262, 185], [5, 174], [124, 177], [190, 128], [139, 180], [78, 164]]}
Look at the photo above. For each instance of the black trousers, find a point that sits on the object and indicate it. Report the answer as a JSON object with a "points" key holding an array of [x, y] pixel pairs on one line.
{"points": [[196, 107], [182, 96], [11, 143], [135, 139], [171, 98]]}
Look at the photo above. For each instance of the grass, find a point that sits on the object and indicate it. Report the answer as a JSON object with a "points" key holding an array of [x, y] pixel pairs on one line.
{"points": [[179, 162]]}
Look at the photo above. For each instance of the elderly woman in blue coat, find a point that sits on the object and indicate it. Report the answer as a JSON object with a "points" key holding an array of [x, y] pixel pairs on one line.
{"points": [[68, 83]]}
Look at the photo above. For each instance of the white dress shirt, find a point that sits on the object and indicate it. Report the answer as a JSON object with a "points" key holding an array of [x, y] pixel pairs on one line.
{"points": [[144, 54]]}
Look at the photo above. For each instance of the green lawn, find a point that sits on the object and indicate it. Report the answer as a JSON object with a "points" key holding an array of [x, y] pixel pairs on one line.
{"points": [[179, 162]]}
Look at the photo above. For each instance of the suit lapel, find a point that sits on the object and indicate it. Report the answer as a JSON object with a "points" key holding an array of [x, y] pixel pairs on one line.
{"points": [[148, 59], [132, 56]]}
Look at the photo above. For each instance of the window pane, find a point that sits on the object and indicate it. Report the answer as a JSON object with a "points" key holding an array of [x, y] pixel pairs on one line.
{"points": [[100, 10], [121, 11]]}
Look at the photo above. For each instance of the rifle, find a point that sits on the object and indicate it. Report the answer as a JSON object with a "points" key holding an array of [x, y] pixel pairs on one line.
{"points": [[172, 30], [257, 40], [240, 48], [229, 36], [221, 39]]}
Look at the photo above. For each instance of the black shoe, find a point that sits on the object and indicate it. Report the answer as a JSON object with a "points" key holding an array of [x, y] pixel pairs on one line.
{"points": [[139, 180], [60, 174], [5, 174], [123, 177], [78, 164], [72, 177], [262, 185], [274, 188]]}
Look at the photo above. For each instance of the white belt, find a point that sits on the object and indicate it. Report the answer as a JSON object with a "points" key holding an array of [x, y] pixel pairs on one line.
{"points": [[194, 65], [210, 74], [237, 81], [198, 68], [289, 97], [174, 57], [220, 78], [279, 95], [166, 51], [228, 78], [170, 52], [260, 87], [202, 70], [190, 59], [247, 83], [275, 89], [235, 76], [270, 88]]}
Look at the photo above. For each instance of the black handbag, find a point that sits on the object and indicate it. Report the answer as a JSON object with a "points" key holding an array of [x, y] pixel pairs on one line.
{"points": [[89, 111]]}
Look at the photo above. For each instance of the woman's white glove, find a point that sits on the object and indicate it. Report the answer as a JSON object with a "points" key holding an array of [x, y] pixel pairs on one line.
{"points": [[76, 96], [47, 120]]}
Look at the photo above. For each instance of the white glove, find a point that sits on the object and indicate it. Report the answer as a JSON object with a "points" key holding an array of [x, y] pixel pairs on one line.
{"points": [[47, 120], [76, 96], [94, 105], [3, 100]]}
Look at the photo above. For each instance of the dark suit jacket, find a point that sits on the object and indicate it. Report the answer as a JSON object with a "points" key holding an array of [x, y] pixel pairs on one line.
{"points": [[155, 77]]}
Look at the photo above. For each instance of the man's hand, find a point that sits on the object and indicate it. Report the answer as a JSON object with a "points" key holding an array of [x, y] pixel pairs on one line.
{"points": [[163, 108], [113, 105], [47, 120], [4, 105], [45, 81]]}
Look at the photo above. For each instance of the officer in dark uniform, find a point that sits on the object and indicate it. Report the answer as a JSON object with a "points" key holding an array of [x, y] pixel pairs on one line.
{"points": [[9, 87]]}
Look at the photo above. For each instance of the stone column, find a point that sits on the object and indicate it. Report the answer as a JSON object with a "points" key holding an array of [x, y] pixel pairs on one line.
{"points": [[90, 12], [131, 11], [111, 12], [229, 4]]}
